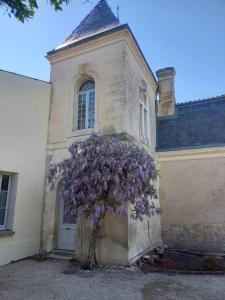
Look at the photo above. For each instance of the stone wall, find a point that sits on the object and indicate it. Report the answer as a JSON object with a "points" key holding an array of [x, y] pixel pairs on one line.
{"points": [[192, 195], [112, 246], [106, 66], [118, 75], [146, 234]]}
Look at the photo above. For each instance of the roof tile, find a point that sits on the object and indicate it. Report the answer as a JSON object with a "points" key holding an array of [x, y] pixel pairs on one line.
{"points": [[196, 124], [101, 18]]}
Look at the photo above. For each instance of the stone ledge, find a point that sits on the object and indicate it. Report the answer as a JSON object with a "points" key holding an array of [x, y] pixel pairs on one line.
{"points": [[4, 233]]}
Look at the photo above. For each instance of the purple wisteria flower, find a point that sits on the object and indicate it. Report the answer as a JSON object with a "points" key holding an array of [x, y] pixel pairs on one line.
{"points": [[106, 175]]}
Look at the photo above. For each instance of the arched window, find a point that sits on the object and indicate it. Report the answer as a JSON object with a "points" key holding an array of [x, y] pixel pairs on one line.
{"points": [[86, 105]]}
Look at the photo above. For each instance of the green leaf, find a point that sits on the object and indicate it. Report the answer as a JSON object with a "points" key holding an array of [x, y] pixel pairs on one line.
{"points": [[25, 9]]}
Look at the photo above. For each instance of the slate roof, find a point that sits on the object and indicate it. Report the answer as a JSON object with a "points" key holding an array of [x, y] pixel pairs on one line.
{"points": [[98, 23], [196, 124], [100, 19]]}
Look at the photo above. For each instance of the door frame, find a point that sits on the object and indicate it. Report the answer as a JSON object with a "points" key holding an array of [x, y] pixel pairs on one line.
{"points": [[62, 226], [57, 217]]}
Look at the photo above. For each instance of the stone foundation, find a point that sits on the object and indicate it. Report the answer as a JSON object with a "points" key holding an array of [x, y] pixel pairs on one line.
{"points": [[197, 237]]}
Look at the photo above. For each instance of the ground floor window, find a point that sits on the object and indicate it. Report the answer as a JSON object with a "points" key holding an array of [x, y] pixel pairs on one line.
{"points": [[4, 199]]}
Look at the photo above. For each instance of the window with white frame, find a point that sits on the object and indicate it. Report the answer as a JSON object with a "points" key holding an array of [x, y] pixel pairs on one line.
{"points": [[86, 105], [144, 120], [5, 182]]}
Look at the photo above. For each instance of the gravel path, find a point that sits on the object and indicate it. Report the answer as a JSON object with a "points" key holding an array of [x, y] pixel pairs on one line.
{"points": [[29, 279]]}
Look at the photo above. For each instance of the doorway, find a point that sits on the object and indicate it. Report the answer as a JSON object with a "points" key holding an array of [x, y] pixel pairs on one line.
{"points": [[66, 229]]}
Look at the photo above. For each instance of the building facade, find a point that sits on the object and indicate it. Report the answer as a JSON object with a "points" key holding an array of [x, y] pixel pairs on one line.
{"points": [[101, 83], [23, 132], [191, 155]]}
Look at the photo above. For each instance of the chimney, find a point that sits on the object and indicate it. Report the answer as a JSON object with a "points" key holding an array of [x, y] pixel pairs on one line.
{"points": [[167, 101]]}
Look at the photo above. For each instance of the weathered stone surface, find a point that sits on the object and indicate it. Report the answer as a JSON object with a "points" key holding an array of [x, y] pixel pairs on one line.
{"points": [[192, 195], [167, 101], [118, 75]]}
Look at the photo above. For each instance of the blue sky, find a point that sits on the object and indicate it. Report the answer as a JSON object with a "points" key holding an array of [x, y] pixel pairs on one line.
{"points": [[186, 34]]}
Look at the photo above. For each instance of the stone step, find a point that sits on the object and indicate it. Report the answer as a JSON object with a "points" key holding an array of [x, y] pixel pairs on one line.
{"points": [[61, 254]]}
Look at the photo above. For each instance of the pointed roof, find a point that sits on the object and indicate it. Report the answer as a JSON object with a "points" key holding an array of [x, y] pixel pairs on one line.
{"points": [[98, 23], [100, 19]]}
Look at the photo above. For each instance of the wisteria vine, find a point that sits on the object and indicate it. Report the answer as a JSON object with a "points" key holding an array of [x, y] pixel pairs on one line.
{"points": [[105, 174]]}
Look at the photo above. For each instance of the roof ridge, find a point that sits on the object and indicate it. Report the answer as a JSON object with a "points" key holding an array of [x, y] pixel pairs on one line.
{"points": [[202, 100]]}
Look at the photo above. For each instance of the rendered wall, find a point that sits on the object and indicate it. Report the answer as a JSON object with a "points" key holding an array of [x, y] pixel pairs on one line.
{"points": [[23, 132], [192, 195]]}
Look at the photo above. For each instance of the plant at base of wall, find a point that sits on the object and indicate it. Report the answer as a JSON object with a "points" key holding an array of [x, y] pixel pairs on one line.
{"points": [[105, 175]]}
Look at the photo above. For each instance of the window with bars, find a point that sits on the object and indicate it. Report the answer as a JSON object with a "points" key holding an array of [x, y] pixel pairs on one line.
{"points": [[144, 120], [5, 181], [86, 105]]}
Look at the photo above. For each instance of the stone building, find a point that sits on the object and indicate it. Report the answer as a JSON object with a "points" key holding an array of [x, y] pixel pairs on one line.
{"points": [[191, 155], [101, 82]]}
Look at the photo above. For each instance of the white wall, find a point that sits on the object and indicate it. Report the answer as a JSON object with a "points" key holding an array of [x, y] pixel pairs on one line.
{"points": [[24, 112]]}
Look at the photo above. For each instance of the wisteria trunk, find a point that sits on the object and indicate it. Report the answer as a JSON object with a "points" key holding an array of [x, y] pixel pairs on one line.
{"points": [[91, 258]]}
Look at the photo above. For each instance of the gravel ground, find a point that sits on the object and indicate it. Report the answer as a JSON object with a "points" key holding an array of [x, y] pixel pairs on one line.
{"points": [[29, 279]]}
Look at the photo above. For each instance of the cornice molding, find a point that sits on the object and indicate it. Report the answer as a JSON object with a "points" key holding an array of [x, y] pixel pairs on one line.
{"points": [[123, 35], [190, 154]]}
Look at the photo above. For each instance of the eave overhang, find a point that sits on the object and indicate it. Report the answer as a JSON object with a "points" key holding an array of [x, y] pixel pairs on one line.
{"points": [[101, 35]]}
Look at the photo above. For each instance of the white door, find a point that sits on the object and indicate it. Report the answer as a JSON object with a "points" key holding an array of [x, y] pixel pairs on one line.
{"points": [[66, 230]]}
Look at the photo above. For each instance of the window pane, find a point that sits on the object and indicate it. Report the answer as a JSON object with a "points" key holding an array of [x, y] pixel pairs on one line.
{"points": [[67, 218], [145, 124], [5, 183], [3, 199], [86, 105], [81, 111], [2, 216], [87, 86], [91, 110], [141, 120], [144, 99]]}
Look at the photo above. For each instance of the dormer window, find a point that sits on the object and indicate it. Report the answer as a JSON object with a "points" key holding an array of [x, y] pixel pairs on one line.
{"points": [[144, 122], [86, 105]]}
